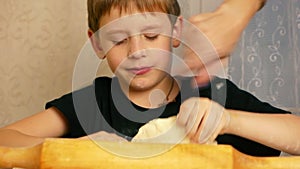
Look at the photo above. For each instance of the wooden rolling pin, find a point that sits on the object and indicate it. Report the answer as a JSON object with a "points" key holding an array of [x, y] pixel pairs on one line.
{"points": [[86, 154]]}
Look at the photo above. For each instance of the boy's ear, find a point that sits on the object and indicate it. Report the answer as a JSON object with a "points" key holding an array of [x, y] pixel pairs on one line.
{"points": [[95, 41], [177, 30]]}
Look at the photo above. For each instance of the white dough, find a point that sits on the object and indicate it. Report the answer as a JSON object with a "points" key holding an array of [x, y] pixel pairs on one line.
{"points": [[162, 130]]}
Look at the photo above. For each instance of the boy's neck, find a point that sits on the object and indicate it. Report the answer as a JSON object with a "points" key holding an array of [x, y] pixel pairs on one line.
{"points": [[154, 97]]}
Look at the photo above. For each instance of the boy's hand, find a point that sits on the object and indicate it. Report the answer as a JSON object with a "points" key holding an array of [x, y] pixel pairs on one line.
{"points": [[104, 136], [203, 119]]}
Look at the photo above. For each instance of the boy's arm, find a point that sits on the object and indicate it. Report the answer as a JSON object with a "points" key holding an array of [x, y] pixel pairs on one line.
{"points": [[279, 131], [33, 130], [104, 136], [205, 119]]}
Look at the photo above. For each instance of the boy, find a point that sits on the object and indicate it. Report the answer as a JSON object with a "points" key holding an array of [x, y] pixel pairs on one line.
{"points": [[139, 54]]}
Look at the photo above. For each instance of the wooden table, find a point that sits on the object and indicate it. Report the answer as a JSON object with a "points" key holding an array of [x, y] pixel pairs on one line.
{"points": [[86, 154]]}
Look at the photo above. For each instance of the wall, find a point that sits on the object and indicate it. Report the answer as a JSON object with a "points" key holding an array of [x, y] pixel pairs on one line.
{"points": [[39, 43]]}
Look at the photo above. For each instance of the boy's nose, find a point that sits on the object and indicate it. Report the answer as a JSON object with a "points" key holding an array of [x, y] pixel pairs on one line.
{"points": [[135, 47]]}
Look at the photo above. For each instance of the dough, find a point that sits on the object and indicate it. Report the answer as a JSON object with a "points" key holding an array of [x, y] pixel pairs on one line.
{"points": [[162, 130]]}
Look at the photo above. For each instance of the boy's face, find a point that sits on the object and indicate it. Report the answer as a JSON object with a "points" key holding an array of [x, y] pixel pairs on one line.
{"points": [[138, 46]]}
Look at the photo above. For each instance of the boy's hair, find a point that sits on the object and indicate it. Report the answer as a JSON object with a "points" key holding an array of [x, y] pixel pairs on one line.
{"points": [[98, 8]]}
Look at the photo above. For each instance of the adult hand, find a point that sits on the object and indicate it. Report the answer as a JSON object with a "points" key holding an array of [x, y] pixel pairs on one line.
{"points": [[203, 119], [104, 136], [223, 28]]}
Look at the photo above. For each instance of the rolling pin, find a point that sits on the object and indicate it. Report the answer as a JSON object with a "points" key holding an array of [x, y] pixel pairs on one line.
{"points": [[86, 154]]}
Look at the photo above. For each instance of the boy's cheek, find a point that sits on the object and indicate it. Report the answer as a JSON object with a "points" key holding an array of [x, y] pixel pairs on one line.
{"points": [[115, 60]]}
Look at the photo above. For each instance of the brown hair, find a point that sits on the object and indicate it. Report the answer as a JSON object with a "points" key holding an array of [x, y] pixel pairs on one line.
{"points": [[98, 8]]}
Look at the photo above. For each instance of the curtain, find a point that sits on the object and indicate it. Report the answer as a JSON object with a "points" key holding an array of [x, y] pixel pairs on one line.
{"points": [[266, 60]]}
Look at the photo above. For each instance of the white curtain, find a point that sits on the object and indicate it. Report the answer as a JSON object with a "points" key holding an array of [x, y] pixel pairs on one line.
{"points": [[266, 61]]}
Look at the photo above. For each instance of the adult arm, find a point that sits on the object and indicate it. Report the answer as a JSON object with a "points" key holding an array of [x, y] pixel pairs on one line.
{"points": [[223, 28]]}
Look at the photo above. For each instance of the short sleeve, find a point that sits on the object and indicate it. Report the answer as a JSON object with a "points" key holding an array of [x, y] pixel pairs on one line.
{"points": [[65, 105]]}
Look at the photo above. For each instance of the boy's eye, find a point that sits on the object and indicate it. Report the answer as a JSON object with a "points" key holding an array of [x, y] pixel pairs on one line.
{"points": [[119, 42], [151, 36]]}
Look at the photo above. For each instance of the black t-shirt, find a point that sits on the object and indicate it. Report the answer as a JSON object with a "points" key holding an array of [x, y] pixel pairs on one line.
{"points": [[103, 106]]}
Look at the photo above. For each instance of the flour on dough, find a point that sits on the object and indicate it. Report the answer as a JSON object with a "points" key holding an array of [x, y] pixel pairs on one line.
{"points": [[162, 130]]}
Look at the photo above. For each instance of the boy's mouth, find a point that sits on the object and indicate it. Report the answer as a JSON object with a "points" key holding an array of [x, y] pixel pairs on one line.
{"points": [[140, 71]]}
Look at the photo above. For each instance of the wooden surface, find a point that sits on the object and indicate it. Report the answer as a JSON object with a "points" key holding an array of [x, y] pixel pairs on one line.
{"points": [[85, 154]]}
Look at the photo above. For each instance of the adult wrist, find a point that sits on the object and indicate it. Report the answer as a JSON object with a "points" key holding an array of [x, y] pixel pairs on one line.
{"points": [[245, 8], [240, 11]]}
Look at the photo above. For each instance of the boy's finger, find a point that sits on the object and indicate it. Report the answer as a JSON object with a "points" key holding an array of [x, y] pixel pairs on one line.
{"points": [[185, 111], [195, 118], [201, 127], [211, 123]]}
